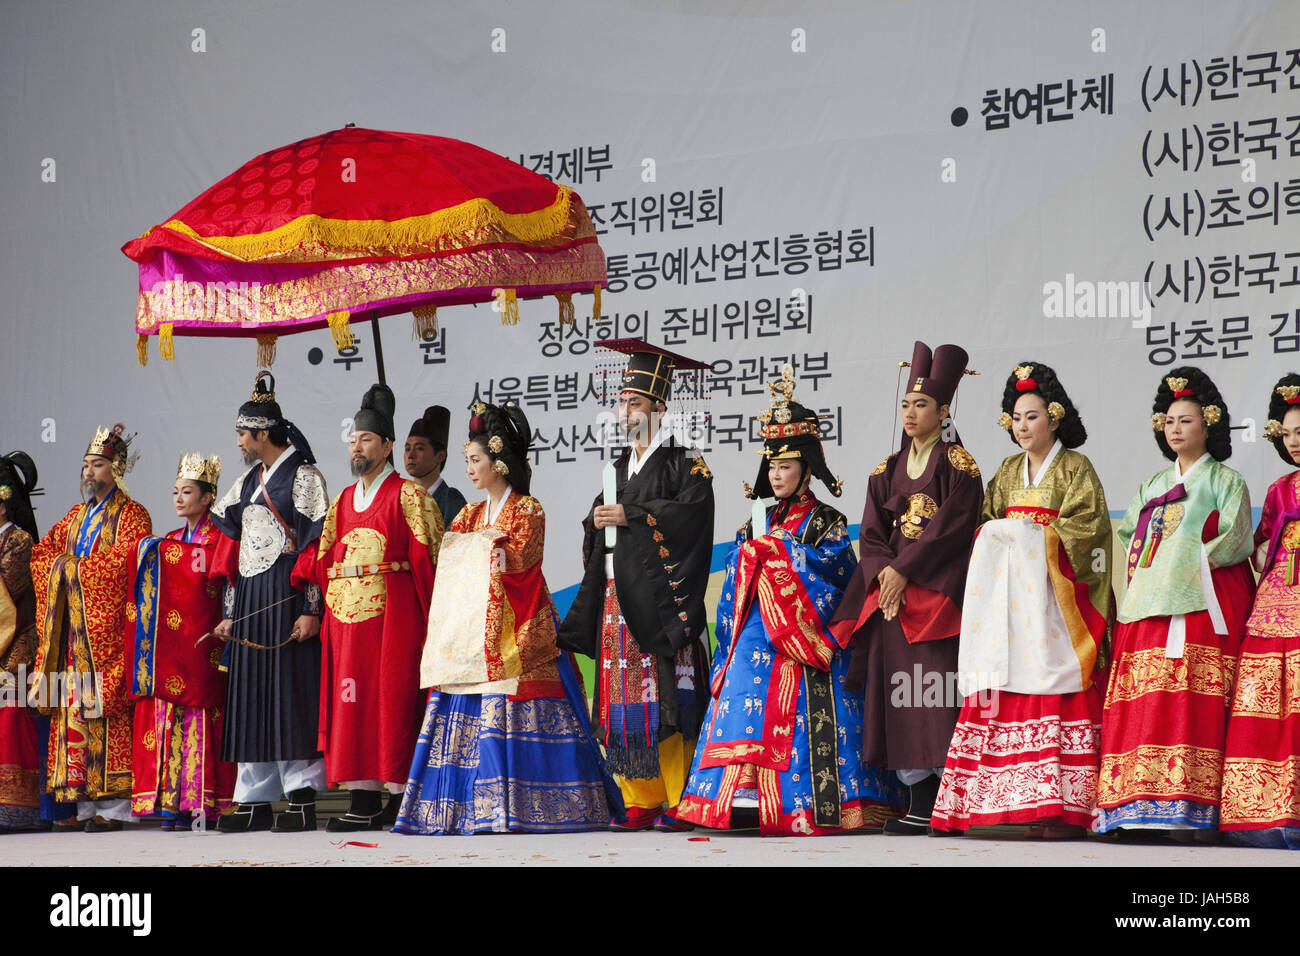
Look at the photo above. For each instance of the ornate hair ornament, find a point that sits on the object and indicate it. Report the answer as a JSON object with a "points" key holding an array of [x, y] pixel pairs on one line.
{"points": [[194, 467], [1273, 430], [1290, 393], [263, 393], [1026, 383], [1004, 421], [478, 408], [1211, 414], [1158, 421], [6, 492], [500, 467], [1055, 411], [782, 394], [1179, 387], [495, 444]]}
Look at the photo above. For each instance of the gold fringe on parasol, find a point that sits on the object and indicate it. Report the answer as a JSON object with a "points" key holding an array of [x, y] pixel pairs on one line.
{"points": [[536, 226], [509, 307], [426, 322], [266, 349], [565, 301], [341, 330]]}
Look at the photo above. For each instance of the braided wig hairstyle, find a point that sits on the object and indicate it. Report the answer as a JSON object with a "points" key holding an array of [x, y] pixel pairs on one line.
{"points": [[1070, 430], [506, 436], [1278, 406], [1204, 392]]}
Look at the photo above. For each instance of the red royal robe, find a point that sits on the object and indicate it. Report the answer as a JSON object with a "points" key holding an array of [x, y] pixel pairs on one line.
{"points": [[373, 629], [179, 719]]}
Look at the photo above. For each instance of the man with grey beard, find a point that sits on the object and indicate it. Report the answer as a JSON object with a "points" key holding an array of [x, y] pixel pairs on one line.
{"points": [[375, 561], [79, 572]]}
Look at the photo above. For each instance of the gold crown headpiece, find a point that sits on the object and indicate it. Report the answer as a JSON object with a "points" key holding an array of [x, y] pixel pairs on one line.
{"points": [[114, 444], [775, 422], [194, 467]]}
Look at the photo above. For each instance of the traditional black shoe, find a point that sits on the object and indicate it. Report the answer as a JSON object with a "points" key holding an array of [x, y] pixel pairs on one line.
{"points": [[365, 812], [389, 817], [300, 817], [936, 832], [246, 818], [354, 823], [921, 806], [910, 825]]}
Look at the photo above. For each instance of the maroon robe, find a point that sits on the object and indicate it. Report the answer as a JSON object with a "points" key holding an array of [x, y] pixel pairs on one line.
{"points": [[373, 630], [922, 528]]}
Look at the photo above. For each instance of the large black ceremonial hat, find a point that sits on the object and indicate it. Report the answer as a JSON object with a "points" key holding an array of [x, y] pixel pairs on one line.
{"points": [[376, 415], [650, 369], [789, 430], [434, 425]]}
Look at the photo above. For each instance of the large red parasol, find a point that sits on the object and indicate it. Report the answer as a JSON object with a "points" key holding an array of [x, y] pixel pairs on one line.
{"points": [[355, 224]]}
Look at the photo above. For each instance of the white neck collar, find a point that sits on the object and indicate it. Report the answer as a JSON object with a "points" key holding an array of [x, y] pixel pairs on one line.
{"points": [[635, 464], [1182, 475], [1042, 469], [362, 497], [492, 515]]}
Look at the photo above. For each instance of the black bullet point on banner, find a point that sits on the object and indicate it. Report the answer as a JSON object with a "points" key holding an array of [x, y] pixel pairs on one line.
{"points": [[959, 116]]}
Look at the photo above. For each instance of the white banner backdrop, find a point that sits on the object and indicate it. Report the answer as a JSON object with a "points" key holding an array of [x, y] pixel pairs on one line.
{"points": [[820, 187]]}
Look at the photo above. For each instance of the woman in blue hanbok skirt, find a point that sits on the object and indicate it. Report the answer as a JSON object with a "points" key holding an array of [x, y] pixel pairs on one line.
{"points": [[781, 742], [505, 744]]}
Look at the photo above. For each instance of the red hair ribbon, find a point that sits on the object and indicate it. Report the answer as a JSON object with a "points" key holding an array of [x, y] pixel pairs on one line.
{"points": [[1184, 393], [1026, 385]]}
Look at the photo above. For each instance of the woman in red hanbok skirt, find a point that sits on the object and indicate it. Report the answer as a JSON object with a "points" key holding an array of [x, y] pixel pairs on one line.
{"points": [[176, 667], [1027, 743], [20, 750], [1261, 765], [1188, 535]]}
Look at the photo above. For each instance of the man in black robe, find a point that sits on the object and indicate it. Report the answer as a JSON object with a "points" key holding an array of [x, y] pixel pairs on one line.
{"points": [[272, 513], [640, 609]]}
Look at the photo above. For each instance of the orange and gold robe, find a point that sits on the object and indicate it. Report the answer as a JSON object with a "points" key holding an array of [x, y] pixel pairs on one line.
{"points": [[80, 571]]}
